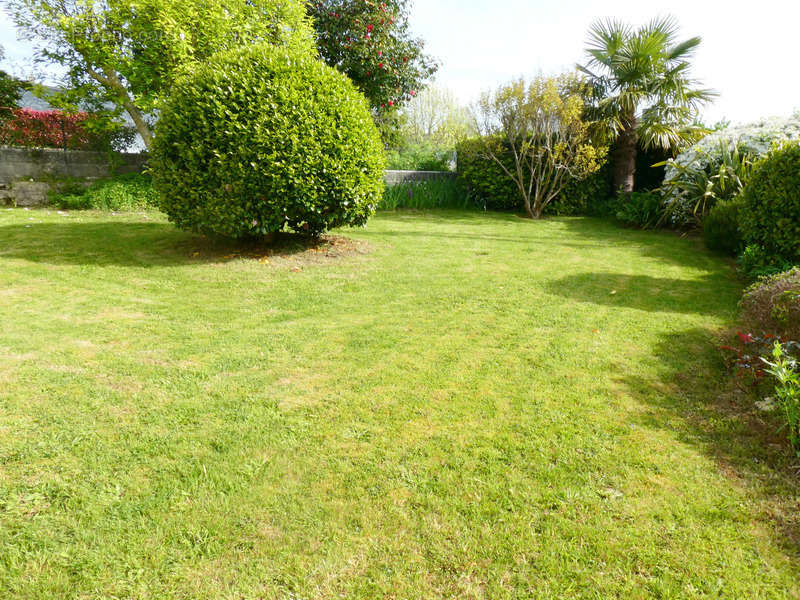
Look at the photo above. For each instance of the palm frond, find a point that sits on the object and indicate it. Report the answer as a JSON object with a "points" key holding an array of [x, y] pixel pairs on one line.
{"points": [[684, 50]]}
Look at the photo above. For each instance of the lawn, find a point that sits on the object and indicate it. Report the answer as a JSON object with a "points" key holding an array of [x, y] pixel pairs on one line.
{"points": [[453, 405]]}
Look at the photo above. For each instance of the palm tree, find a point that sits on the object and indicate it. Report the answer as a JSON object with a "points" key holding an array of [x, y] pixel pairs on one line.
{"points": [[640, 90]]}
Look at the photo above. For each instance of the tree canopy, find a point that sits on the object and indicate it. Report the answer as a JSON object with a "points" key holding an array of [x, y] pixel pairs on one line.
{"points": [[128, 52]]}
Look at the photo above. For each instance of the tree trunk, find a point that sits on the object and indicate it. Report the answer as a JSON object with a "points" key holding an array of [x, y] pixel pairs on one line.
{"points": [[141, 125], [625, 161], [112, 82]]}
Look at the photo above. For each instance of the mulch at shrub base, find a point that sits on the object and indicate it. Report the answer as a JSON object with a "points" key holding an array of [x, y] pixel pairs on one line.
{"points": [[284, 248]]}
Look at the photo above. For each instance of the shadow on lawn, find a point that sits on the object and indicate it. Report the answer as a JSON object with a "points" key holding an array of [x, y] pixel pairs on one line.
{"points": [[693, 398], [643, 292], [591, 234], [138, 244]]}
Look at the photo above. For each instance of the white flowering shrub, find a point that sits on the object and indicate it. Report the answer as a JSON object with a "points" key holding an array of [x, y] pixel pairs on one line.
{"points": [[707, 155]]}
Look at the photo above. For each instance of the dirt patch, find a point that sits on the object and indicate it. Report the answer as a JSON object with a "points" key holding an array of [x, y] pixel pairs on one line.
{"points": [[284, 248]]}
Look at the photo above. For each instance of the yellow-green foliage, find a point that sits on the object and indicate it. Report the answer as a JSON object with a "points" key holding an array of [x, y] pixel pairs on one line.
{"points": [[493, 189], [541, 124]]}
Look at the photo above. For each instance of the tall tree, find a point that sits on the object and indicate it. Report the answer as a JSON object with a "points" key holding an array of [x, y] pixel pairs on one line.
{"points": [[129, 51], [435, 116], [641, 91], [370, 42], [541, 126]]}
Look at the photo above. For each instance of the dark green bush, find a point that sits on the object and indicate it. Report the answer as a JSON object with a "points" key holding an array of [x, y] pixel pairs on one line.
{"points": [[123, 192], [770, 214], [640, 209], [648, 177], [755, 262], [721, 228], [256, 140], [485, 179], [493, 189], [589, 196]]}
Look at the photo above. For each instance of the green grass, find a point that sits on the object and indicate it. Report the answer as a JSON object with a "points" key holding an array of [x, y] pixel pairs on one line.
{"points": [[470, 406]]}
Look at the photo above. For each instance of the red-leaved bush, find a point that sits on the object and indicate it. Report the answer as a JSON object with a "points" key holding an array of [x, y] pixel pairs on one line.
{"points": [[49, 129]]}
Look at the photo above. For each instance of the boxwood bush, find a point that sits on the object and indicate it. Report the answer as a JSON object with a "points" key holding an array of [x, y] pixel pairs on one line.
{"points": [[258, 139], [770, 213]]}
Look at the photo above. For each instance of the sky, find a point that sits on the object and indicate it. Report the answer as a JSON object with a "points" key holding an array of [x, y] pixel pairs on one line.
{"points": [[748, 54]]}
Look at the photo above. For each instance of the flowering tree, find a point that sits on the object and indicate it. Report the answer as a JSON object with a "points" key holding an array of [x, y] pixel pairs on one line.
{"points": [[370, 42]]}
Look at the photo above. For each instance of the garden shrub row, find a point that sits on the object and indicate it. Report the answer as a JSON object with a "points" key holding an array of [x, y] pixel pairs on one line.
{"points": [[493, 189], [761, 225], [28, 128], [770, 214]]}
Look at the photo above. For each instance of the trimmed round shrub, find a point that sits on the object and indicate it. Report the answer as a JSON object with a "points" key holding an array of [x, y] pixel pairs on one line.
{"points": [[721, 228], [258, 140], [770, 213], [772, 305]]}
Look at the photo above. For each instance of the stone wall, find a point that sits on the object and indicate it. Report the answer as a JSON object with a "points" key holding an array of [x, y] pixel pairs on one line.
{"points": [[27, 174]]}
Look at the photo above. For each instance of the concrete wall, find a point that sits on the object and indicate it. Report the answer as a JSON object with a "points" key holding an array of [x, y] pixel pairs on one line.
{"points": [[25, 174], [395, 177]]}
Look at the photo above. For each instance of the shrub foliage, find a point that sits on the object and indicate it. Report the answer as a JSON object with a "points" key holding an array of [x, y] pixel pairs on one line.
{"points": [[707, 171], [772, 305], [132, 191], [770, 215], [721, 228], [30, 128], [259, 139], [494, 190]]}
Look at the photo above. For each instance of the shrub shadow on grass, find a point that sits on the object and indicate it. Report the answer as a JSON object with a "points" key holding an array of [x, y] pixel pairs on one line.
{"points": [[666, 245], [694, 400], [587, 233], [643, 292], [116, 243]]}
